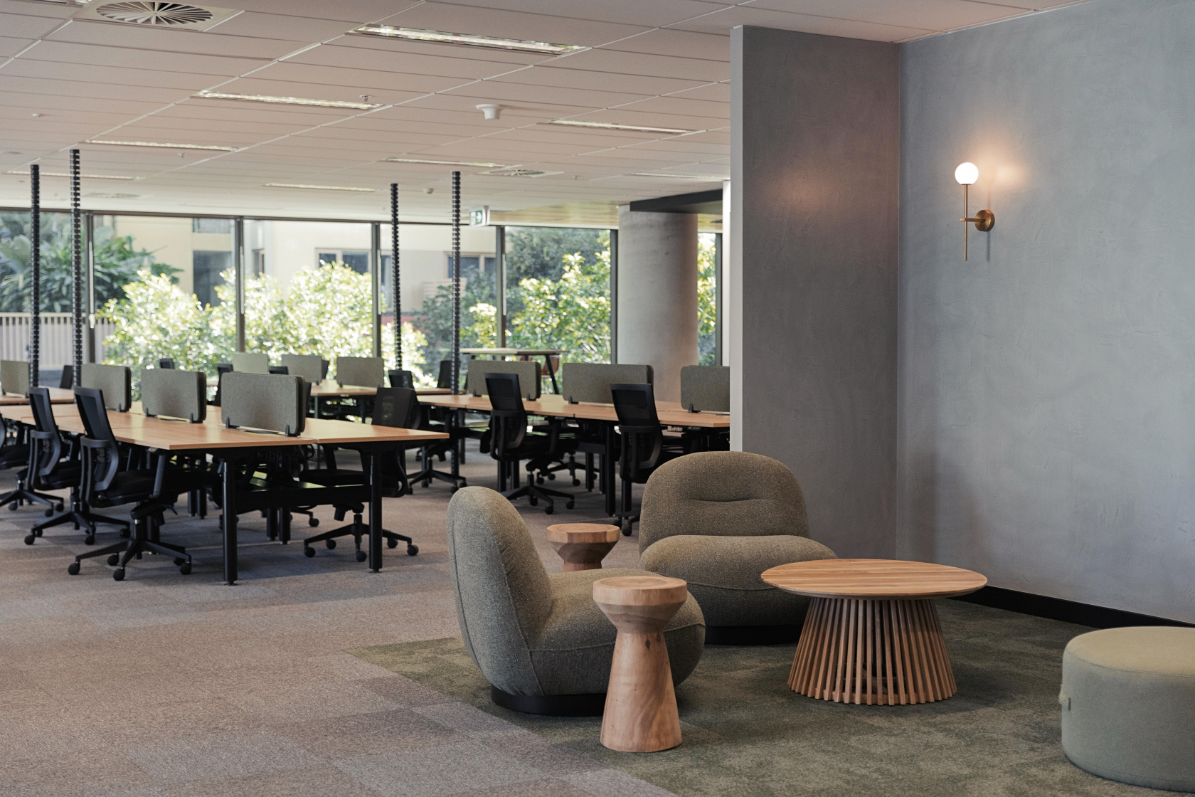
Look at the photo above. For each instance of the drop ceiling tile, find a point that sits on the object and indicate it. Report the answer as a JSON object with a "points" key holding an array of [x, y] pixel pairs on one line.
{"points": [[23, 26], [640, 156], [679, 107], [376, 122], [383, 61], [724, 21], [714, 92], [634, 12], [260, 130], [511, 24], [26, 8], [54, 104], [710, 136], [937, 15], [679, 43], [284, 26], [93, 55], [685, 144], [598, 81], [83, 74], [520, 149], [310, 91], [558, 135], [333, 135], [366, 79], [106, 91], [516, 93], [513, 113], [437, 49], [642, 64], [359, 11], [235, 110], [215, 42], [10, 46], [626, 116]]}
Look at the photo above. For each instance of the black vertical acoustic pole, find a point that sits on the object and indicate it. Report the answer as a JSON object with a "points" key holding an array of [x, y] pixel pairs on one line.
{"points": [[35, 269], [77, 264], [394, 276], [456, 281]]}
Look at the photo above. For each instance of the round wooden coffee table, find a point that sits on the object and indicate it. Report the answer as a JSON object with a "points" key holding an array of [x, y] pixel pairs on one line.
{"points": [[582, 546], [640, 714], [872, 633]]}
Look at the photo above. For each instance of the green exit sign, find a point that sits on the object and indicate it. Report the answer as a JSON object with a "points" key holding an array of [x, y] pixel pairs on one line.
{"points": [[479, 217]]}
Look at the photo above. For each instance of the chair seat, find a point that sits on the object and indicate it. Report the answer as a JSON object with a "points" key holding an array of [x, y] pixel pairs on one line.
{"points": [[12, 455], [67, 474], [574, 649], [137, 485], [723, 574]]}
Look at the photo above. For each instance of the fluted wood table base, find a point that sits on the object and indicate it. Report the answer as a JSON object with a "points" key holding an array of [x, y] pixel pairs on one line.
{"points": [[872, 652]]}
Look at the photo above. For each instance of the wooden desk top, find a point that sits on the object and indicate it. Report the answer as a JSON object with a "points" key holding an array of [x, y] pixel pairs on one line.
{"points": [[332, 432], [58, 395], [669, 413], [329, 389], [882, 579], [516, 352]]}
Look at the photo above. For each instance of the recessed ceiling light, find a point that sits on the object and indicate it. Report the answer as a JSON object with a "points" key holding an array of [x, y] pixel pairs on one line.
{"points": [[26, 173], [160, 145], [319, 187], [449, 163], [217, 95], [717, 177], [519, 45], [671, 131]]}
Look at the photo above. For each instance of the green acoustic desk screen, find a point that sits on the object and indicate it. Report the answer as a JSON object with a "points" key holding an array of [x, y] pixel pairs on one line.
{"points": [[591, 381], [174, 394], [705, 388], [115, 381], [14, 377], [276, 402], [360, 371], [527, 372], [250, 362], [308, 366]]}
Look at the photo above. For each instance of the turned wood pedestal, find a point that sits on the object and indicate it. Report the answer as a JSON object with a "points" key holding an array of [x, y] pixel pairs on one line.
{"points": [[582, 546], [640, 712], [872, 634]]}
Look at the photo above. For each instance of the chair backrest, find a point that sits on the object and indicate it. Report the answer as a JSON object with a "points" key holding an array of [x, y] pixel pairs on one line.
{"points": [[105, 460], [221, 369], [722, 494], [508, 419], [309, 366], [166, 362], [361, 371], [502, 591], [250, 362], [47, 452], [401, 378], [397, 407], [116, 382], [68, 377], [528, 374], [705, 387], [14, 377], [175, 394], [639, 425], [591, 381], [324, 365], [444, 380], [279, 370], [264, 401]]}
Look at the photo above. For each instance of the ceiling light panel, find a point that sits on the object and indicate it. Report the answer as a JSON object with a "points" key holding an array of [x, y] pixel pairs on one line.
{"points": [[663, 131], [320, 187], [518, 25], [216, 95], [468, 39], [160, 145], [435, 162]]}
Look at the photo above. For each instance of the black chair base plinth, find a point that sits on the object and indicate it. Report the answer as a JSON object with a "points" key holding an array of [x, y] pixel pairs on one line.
{"points": [[358, 530], [551, 705], [744, 635]]}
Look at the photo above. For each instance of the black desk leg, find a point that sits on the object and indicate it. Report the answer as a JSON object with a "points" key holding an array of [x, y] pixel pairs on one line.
{"points": [[608, 470], [230, 521], [375, 511], [454, 418], [551, 374]]}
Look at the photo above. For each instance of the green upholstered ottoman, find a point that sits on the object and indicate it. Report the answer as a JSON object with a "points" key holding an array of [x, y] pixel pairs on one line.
{"points": [[1128, 705]]}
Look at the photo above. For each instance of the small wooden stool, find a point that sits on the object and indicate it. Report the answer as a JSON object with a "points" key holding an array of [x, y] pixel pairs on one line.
{"points": [[641, 712], [582, 546]]}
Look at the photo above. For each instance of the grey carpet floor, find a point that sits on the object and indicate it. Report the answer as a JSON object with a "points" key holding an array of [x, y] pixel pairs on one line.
{"points": [[746, 733]]}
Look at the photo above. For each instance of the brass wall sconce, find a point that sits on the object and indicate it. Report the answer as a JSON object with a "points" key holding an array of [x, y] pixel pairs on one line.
{"points": [[984, 220]]}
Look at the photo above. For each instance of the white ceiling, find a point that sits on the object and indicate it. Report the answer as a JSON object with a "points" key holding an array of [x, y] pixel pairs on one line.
{"points": [[662, 63]]}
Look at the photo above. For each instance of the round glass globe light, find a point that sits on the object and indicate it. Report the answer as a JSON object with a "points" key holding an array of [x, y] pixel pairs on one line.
{"points": [[966, 173]]}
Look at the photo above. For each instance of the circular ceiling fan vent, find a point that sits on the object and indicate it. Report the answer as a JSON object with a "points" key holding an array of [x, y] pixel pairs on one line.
{"points": [[162, 15]]}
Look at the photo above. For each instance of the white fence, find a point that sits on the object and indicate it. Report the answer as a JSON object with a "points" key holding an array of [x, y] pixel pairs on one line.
{"points": [[57, 343]]}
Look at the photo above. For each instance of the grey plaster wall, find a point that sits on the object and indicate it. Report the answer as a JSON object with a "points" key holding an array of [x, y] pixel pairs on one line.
{"points": [[1047, 386], [657, 295], [815, 164]]}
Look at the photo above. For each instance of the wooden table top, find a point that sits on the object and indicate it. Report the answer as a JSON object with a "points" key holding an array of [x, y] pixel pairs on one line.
{"points": [[516, 352], [669, 412], [583, 533], [882, 579], [58, 395], [329, 389], [640, 591]]}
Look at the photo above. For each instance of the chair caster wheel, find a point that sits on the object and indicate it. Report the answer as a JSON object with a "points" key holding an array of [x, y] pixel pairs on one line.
{"points": [[412, 549], [114, 559], [313, 522], [551, 477], [118, 574], [29, 538], [626, 529], [89, 539], [329, 544], [549, 509], [59, 508], [185, 569], [391, 543], [534, 501], [73, 568], [361, 556], [308, 551], [48, 513], [569, 505], [576, 482], [179, 562]]}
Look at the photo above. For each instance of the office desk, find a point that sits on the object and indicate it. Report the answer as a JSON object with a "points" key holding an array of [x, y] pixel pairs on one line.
{"points": [[329, 389], [58, 395], [669, 413], [234, 445], [547, 354]]}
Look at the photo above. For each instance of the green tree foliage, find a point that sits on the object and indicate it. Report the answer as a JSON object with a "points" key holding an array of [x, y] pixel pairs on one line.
{"points": [[707, 309], [572, 312]]}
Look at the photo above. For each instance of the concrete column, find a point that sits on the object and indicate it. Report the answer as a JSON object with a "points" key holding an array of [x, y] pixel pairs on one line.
{"points": [[657, 295]]}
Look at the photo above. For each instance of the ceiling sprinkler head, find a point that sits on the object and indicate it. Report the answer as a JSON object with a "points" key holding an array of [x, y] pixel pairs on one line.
{"points": [[428, 190], [490, 110]]}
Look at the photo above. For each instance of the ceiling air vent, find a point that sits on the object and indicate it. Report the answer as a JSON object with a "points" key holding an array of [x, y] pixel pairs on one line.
{"points": [[156, 15], [518, 173]]}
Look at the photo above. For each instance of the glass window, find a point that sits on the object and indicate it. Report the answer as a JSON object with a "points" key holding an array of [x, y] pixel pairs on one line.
{"points": [[57, 341], [207, 268], [558, 291], [707, 303], [212, 226]]}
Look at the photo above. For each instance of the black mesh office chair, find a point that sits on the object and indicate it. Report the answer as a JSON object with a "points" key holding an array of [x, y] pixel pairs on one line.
{"points": [[401, 378], [166, 362], [68, 377], [396, 407], [324, 365], [107, 484], [15, 453], [643, 443], [444, 380], [510, 443], [280, 370], [221, 369], [52, 471]]}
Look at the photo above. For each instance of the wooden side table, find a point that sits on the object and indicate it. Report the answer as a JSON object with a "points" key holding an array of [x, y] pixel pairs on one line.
{"points": [[582, 546], [640, 712], [872, 633]]}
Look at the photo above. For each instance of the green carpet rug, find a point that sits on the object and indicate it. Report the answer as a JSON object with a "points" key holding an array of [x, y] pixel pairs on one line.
{"points": [[746, 733]]}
